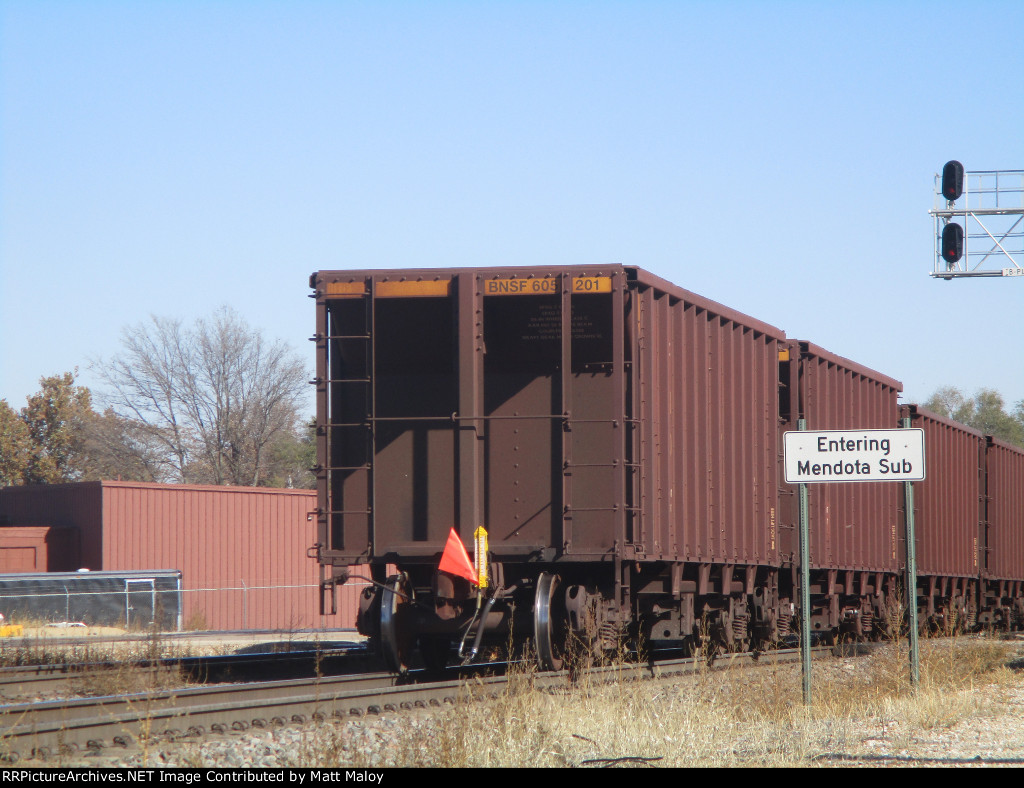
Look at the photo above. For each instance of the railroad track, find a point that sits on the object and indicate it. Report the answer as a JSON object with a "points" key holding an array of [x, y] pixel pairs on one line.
{"points": [[33, 683], [42, 730], [38, 682]]}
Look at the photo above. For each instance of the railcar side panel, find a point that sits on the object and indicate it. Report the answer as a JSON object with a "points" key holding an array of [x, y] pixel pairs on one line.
{"points": [[947, 502], [1005, 526], [854, 526], [706, 399]]}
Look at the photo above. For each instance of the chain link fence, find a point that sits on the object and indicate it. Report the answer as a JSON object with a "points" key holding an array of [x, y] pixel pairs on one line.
{"points": [[141, 601]]}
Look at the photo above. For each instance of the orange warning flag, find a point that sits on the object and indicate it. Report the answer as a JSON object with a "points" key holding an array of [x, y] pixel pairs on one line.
{"points": [[455, 559]]}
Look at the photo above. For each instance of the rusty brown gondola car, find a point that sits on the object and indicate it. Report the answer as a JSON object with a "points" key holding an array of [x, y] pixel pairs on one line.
{"points": [[949, 511], [1002, 572], [855, 529], [618, 437]]}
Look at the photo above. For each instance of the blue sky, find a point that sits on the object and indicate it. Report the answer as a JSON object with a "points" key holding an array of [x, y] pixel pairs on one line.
{"points": [[170, 157]]}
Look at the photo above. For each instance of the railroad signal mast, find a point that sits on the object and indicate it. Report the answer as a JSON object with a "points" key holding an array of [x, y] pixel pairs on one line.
{"points": [[979, 222]]}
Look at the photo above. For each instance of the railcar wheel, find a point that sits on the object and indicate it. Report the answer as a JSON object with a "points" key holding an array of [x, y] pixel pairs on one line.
{"points": [[549, 626], [396, 635]]}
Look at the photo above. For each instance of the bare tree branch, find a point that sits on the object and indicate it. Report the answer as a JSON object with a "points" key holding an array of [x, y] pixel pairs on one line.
{"points": [[213, 397]]}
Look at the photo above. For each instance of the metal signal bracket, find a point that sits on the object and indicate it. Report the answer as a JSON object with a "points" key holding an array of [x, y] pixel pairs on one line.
{"points": [[991, 212]]}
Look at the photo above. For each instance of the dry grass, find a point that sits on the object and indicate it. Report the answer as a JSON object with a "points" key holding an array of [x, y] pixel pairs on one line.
{"points": [[46, 646], [128, 667], [733, 714], [739, 715]]}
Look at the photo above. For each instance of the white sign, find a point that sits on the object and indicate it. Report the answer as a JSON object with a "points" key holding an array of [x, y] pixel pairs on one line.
{"points": [[1013, 272], [854, 456]]}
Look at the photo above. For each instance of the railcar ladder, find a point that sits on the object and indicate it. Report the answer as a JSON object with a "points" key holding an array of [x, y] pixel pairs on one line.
{"points": [[344, 428]]}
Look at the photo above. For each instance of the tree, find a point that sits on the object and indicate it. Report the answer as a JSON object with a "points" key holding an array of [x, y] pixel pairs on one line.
{"points": [[15, 446], [985, 412], [56, 417], [45, 442], [119, 448], [952, 403], [210, 399], [291, 459], [991, 418]]}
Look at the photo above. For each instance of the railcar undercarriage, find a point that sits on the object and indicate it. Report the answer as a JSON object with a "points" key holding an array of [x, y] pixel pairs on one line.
{"points": [[420, 616]]}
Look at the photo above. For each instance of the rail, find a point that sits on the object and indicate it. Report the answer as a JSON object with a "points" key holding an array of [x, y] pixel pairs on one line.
{"points": [[42, 730]]}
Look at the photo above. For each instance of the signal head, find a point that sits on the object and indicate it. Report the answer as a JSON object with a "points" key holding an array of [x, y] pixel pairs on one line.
{"points": [[952, 242], [952, 180]]}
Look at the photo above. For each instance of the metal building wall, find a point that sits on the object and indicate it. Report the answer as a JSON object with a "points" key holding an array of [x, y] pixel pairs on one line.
{"points": [[947, 503], [38, 549], [1005, 547], [242, 551], [76, 505]]}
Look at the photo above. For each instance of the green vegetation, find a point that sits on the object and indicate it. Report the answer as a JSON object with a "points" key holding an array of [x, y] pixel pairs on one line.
{"points": [[985, 412]]}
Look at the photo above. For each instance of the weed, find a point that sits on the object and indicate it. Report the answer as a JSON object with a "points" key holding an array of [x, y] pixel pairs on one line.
{"points": [[728, 716]]}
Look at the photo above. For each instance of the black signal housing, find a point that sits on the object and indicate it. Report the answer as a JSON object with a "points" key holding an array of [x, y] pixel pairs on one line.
{"points": [[952, 180]]}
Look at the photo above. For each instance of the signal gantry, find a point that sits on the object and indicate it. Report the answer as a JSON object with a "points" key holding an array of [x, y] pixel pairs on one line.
{"points": [[979, 222]]}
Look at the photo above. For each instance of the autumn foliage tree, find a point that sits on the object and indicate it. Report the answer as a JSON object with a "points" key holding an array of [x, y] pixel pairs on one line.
{"points": [[15, 446], [44, 443]]}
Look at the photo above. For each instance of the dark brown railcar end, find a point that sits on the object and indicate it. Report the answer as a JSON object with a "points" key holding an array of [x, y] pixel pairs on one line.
{"points": [[461, 397]]}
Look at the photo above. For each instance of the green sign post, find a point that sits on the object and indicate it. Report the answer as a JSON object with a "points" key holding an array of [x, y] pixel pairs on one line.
{"points": [[871, 455]]}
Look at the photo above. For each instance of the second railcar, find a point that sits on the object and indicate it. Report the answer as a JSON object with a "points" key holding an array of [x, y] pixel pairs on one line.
{"points": [[856, 550], [616, 436]]}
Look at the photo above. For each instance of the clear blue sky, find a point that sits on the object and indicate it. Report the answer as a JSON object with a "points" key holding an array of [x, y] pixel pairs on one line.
{"points": [[169, 157]]}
